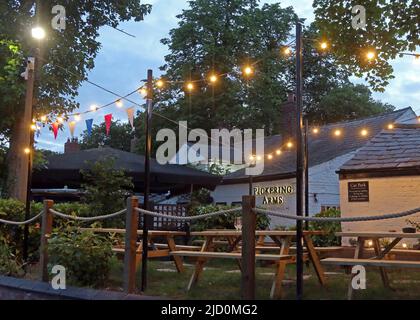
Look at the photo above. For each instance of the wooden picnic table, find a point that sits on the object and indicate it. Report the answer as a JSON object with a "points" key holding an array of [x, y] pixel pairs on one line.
{"points": [[157, 250], [380, 252], [282, 239]]}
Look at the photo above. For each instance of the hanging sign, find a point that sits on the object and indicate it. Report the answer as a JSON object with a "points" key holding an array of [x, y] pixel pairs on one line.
{"points": [[108, 120], [130, 114], [89, 123], [55, 127]]}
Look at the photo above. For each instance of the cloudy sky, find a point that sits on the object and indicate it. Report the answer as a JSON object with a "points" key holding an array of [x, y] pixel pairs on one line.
{"points": [[123, 62]]}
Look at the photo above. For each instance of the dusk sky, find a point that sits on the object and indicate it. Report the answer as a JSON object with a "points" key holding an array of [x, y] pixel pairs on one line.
{"points": [[123, 62]]}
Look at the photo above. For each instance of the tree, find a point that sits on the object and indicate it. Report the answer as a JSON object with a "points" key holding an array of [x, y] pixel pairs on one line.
{"points": [[65, 58], [221, 37], [119, 137], [391, 28], [346, 103], [106, 187]]}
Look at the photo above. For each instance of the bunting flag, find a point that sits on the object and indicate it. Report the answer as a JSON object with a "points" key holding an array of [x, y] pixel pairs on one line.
{"points": [[108, 119], [72, 126], [89, 123], [130, 114], [55, 127]]}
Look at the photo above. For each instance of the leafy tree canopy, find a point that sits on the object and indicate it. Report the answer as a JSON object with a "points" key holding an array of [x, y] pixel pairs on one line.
{"points": [[392, 27]]}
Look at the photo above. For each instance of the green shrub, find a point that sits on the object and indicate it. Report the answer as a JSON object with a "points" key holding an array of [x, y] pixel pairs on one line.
{"points": [[8, 262], [331, 228], [225, 221], [12, 235], [86, 256]]}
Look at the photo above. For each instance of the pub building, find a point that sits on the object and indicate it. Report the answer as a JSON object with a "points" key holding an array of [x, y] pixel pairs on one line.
{"points": [[330, 147]]}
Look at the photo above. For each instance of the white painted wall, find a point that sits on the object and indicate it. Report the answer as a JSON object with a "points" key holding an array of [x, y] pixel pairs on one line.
{"points": [[386, 195], [323, 181]]}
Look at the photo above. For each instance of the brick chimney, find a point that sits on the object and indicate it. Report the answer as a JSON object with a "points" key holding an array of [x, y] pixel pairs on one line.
{"points": [[72, 146], [288, 118]]}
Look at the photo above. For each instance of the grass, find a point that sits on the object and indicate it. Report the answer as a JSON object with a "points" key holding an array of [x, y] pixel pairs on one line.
{"points": [[221, 280]]}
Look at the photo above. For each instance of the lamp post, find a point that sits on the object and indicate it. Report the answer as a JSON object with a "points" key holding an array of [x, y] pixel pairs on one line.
{"points": [[38, 34], [146, 204], [299, 164]]}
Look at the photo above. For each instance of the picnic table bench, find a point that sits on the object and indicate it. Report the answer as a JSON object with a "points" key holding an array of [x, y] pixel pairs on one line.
{"points": [[380, 259], [281, 242]]}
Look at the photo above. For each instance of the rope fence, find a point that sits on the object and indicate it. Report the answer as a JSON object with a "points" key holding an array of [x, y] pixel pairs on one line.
{"points": [[191, 218], [338, 219], [87, 219], [21, 223]]}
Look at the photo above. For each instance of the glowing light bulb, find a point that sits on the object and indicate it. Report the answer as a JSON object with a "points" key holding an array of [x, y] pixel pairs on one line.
{"points": [[337, 132], [248, 71], [27, 150], [289, 144], [190, 86], [287, 51], [43, 118], [60, 120], [370, 55], [160, 83], [364, 132], [93, 107], [251, 157], [278, 152], [119, 103], [370, 243], [259, 158], [315, 130], [390, 126], [404, 245], [213, 78], [324, 45], [143, 91], [33, 127], [270, 156], [77, 117], [38, 33]]}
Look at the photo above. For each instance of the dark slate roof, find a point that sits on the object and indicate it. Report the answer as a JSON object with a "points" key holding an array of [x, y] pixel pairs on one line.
{"points": [[132, 164], [398, 148], [323, 146]]}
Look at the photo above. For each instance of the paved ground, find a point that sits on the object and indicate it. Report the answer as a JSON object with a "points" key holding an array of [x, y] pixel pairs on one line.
{"points": [[13, 294]]}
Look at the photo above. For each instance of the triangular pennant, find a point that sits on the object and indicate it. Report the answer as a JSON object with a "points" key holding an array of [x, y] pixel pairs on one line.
{"points": [[108, 119], [130, 114], [55, 127], [89, 123], [72, 126]]}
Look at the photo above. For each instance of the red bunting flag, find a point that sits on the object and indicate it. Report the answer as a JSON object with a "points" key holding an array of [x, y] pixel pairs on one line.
{"points": [[108, 119], [55, 127]]}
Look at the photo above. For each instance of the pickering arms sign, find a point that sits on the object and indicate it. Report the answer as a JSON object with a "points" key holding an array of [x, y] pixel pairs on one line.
{"points": [[273, 194]]}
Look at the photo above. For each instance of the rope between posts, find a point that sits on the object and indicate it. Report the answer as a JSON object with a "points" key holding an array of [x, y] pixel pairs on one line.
{"points": [[19, 223], [180, 218], [107, 216], [339, 219]]}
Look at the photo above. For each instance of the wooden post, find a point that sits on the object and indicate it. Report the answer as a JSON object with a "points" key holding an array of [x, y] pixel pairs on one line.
{"points": [[46, 229], [248, 248], [131, 224]]}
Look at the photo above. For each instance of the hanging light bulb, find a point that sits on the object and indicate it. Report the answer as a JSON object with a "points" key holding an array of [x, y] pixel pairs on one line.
{"points": [[38, 33], [160, 83], [34, 127], [247, 71], [287, 51], [43, 118], [315, 130], [258, 158], [77, 117], [278, 152], [93, 108], [337, 132], [289, 144], [27, 151], [213, 78], [390, 126], [60, 120], [190, 86], [119, 103], [364, 132], [270, 156], [370, 55], [324, 45], [143, 91]]}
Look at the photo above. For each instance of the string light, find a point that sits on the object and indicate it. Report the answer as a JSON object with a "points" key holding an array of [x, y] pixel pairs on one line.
{"points": [[404, 245], [248, 71], [251, 157], [38, 33], [60, 120], [190, 86], [324, 45], [287, 51], [33, 127], [143, 91], [337, 132], [160, 83], [364, 132], [370, 243], [370, 55], [43, 118], [270, 156], [27, 150], [213, 78], [390, 126], [315, 130], [259, 158], [93, 108], [119, 103], [289, 144], [77, 118], [278, 152]]}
